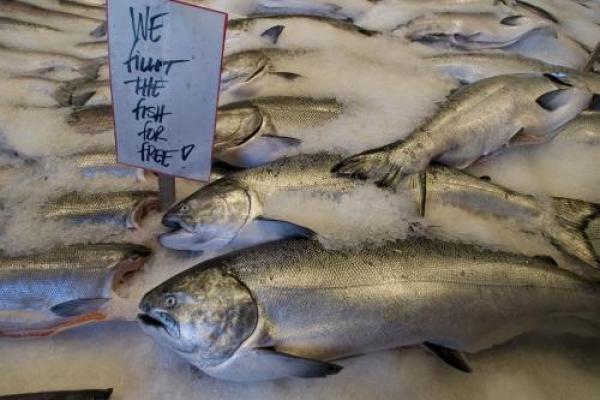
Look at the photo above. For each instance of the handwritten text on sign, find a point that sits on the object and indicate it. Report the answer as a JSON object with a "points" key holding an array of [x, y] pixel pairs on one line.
{"points": [[165, 63]]}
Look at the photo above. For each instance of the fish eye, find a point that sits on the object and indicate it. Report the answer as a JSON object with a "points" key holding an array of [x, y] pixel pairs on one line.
{"points": [[184, 208], [170, 301]]}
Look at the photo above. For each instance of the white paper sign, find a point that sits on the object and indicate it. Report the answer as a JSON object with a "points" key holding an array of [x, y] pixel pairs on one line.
{"points": [[165, 68]]}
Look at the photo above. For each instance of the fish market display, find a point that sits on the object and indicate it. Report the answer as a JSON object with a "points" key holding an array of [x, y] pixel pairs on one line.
{"points": [[473, 31], [48, 292], [386, 174], [123, 208], [257, 206], [476, 121], [291, 309], [253, 132], [91, 394]]}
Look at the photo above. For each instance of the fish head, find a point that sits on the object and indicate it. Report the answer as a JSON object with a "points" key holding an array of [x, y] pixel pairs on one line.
{"points": [[236, 124], [243, 67], [209, 219], [204, 314]]}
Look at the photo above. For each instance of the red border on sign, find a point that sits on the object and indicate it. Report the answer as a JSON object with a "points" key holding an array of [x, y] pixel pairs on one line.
{"points": [[218, 87]]}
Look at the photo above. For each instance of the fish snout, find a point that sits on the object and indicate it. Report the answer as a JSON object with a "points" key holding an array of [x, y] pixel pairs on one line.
{"points": [[171, 221]]}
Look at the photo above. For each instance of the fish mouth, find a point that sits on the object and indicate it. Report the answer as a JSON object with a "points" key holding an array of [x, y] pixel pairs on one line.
{"points": [[160, 321]]}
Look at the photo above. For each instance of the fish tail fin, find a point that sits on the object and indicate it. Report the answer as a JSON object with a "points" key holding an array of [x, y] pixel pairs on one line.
{"points": [[64, 94], [574, 217], [91, 67]]}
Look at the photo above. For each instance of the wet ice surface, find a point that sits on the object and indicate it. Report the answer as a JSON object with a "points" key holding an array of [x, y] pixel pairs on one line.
{"points": [[118, 355], [387, 91]]}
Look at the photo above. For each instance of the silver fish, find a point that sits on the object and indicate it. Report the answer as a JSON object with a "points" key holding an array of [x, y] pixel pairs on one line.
{"points": [[579, 26], [270, 28], [123, 208], [103, 162], [69, 7], [554, 168], [245, 208], [238, 68], [248, 65], [45, 293], [472, 67], [91, 119], [47, 65], [476, 121], [253, 132], [291, 309], [472, 31], [88, 394], [36, 14]]}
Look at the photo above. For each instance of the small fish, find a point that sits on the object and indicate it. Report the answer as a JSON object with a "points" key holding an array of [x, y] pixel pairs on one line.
{"points": [[582, 28], [472, 31], [91, 120], [35, 14], [69, 7], [270, 28], [293, 309], [476, 121], [123, 208], [90, 394], [245, 208], [472, 67], [45, 293], [103, 162], [253, 132], [247, 65], [47, 65]]}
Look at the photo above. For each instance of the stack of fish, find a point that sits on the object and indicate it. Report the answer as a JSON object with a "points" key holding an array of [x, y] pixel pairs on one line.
{"points": [[50, 286], [418, 235]]}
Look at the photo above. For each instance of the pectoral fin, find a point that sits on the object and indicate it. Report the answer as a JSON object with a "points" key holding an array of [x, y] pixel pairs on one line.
{"points": [[289, 76], [555, 99], [264, 364], [454, 358], [259, 150], [78, 307], [272, 34]]}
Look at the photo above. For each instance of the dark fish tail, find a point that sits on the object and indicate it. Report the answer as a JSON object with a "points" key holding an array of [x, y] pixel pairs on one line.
{"points": [[91, 394], [574, 217]]}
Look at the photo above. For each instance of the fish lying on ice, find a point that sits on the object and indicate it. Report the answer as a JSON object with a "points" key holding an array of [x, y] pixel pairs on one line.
{"points": [[270, 29], [564, 166], [237, 69], [91, 120], [299, 196], [472, 67], [47, 65], [103, 161], [290, 309], [126, 209], [472, 31], [45, 293], [476, 121], [247, 65], [89, 394], [568, 15], [260, 130], [36, 14], [70, 7]]}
